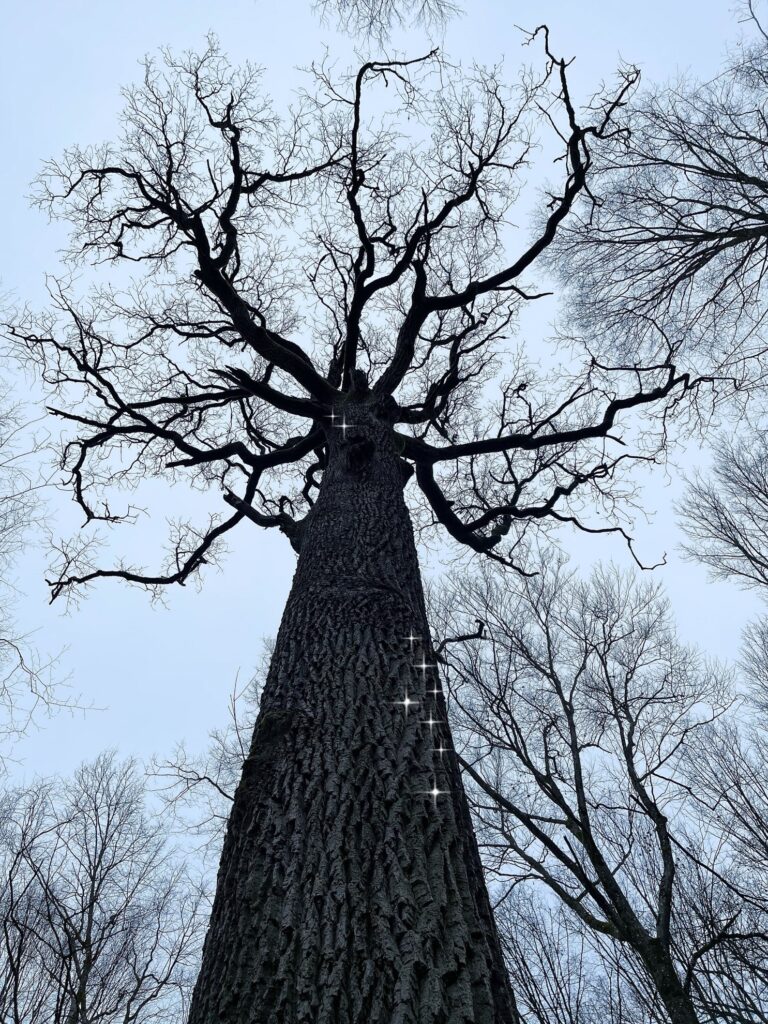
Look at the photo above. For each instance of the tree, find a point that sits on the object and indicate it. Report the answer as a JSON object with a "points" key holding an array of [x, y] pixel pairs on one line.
{"points": [[726, 515], [100, 923], [377, 18], [727, 772], [601, 772], [672, 242], [566, 973], [319, 315], [548, 958], [27, 686]]}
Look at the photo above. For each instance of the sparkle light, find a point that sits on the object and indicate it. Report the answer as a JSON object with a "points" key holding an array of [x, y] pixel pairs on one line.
{"points": [[343, 426], [406, 703], [435, 793]]}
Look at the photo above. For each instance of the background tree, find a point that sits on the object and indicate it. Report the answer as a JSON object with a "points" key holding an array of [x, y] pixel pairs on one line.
{"points": [[100, 922], [601, 772], [28, 690], [725, 514], [675, 245], [377, 18], [566, 974], [319, 313]]}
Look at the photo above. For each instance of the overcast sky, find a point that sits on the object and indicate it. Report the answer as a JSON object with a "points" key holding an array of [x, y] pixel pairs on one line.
{"points": [[163, 674]]}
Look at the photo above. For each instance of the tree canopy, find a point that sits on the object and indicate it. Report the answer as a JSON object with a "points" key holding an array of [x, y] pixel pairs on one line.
{"points": [[671, 244], [377, 18], [360, 243]]}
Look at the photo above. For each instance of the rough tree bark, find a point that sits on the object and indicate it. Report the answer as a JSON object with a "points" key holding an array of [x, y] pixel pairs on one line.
{"points": [[347, 891]]}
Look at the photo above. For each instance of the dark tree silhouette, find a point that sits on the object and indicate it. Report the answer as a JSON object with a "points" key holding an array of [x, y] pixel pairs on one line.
{"points": [[320, 316]]}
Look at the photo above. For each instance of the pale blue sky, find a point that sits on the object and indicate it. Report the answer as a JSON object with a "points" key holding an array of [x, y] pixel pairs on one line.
{"points": [[164, 674]]}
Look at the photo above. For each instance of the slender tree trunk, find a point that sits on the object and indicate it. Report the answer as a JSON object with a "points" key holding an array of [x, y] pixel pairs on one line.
{"points": [[350, 892]]}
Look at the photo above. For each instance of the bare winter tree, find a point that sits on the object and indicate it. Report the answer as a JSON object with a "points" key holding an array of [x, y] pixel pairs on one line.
{"points": [[727, 773], [676, 244], [319, 313], [725, 514], [377, 18], [27, 686], [565, 972], [673, 244], [588, 732], [555, 976], [100, 923]]}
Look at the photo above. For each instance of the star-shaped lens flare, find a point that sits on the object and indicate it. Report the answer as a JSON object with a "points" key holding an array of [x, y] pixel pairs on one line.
{"points": [[423, 665], [343, 426], [435, 793], [406, 703]]}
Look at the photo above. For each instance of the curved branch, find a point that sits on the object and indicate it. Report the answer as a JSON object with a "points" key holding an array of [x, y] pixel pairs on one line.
{"points": [[427, 454]]}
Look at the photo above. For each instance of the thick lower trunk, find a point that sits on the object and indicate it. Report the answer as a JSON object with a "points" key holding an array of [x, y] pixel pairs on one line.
{"points": [[350, 889]]}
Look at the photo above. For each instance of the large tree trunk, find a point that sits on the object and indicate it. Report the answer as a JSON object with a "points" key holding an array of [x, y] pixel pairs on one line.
{"points": [[349, 892]]}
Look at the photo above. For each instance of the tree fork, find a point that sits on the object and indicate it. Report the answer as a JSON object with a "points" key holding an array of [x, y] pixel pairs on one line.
{"points": [[350, 888]]}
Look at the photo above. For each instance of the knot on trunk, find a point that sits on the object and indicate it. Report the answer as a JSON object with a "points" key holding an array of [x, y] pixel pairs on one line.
{"points": [[273, 728], [358, 452]]}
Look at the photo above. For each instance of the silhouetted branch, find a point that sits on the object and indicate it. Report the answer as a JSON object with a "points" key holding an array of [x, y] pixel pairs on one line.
{"points": [[678, 235]]}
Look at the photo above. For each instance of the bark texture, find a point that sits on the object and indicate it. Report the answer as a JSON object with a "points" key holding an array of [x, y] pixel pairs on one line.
{"points": [[347, 892]]}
